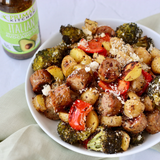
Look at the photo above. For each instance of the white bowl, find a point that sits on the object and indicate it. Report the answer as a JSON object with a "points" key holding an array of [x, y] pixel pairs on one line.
{"points": [[50, 126]]}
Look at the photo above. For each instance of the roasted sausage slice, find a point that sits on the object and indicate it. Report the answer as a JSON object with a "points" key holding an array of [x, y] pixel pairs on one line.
{"points": [[50, 111], [40, 78], [60, 97], [105, 29], [78, 80], [108, 104], [153, 119], [135, 125], [109, 70]]}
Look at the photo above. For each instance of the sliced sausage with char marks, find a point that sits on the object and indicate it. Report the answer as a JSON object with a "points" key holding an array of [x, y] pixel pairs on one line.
{"points": [[78, 80], [109, 70], [40, 78], [135, 125], [60, 97], [109, 104], [153, 119]]}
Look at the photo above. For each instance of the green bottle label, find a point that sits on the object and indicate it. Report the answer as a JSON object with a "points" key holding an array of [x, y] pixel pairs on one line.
{"points": [[20, 31]]}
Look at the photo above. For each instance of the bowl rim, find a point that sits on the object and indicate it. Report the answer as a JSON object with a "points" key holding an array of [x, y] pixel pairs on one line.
{"points": [[64, 144]]}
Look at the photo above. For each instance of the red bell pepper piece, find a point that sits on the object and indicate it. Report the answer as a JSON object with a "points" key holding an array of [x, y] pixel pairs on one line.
{"points": [[148, 79], [94, 45], [78, 113], [120, 88]]}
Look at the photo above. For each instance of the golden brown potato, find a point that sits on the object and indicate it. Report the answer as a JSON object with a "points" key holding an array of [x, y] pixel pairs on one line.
{"points": [[138, 83], [111, 121], [98, 58], [106, 45], [133, 96], [90, 96], [78, 66], [125, 141], [144, 55], [67, 65], [155, 65], [77, 54], [92, 120], [131, 71], [39, 103], [86, 60], [64, 116], [90, 25], [56, 72], [133, 108], [155, 52]]}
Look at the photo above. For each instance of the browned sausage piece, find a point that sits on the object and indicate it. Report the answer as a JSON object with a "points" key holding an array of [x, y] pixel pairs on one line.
{"points": [[153, 119], [109, 104], [50, 111], [78, 80], [40, 78], [60, 97], [109, 70], [138, 84], [149, 106], [135, 125], [105, 29]]}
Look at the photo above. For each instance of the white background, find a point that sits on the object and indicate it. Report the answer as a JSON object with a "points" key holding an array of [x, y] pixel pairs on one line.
{"points": [[54, 13]]}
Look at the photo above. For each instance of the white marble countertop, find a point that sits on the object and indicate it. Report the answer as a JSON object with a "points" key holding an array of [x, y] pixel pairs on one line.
{"points": [[54, 13]]}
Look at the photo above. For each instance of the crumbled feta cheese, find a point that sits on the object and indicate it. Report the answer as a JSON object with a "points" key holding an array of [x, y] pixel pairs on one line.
{"points": [[102, 35], [46, 89], [94, 65], [87, 69], [83, 43]]}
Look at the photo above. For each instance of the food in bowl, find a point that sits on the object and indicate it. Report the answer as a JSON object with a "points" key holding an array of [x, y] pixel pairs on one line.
{"points": [[99, 82]]}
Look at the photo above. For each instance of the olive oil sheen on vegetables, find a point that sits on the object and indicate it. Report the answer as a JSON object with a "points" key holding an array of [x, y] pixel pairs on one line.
{"points": [[19, 28]]}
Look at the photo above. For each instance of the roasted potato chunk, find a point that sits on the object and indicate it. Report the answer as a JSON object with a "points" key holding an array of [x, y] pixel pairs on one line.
{"points": [[98, 58], [125, 141], [92, 120], [111, 121], [155, 65], [39, 103], [91, 26], [56, 72], [144, 55], [131, 71], [64, 116], [133, 108], [77, 54], [67, 65], [90, 96]]}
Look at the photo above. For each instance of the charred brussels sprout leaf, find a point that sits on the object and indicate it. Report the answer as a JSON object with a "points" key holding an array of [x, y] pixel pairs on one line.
{"points": [[129, 32], [71, 34], [144, 42], [49, 56]]}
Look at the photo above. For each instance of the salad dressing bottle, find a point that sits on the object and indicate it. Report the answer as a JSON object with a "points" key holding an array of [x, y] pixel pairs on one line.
{"points": [[19, 28]]}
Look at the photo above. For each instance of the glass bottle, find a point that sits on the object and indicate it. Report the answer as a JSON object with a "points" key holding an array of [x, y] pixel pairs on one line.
{"points": [[19, 28]]}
